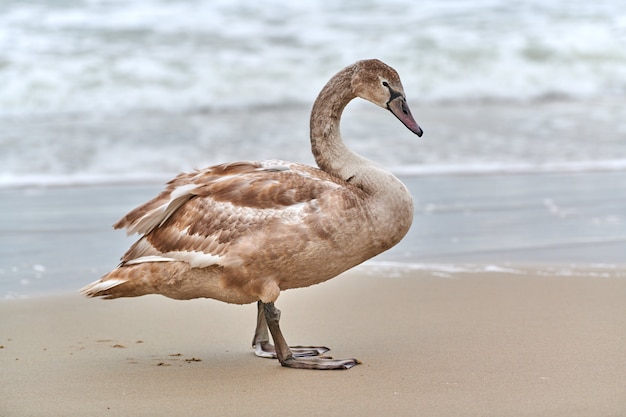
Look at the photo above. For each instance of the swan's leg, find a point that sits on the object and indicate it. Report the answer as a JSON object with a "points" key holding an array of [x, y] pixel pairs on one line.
{"points": [[261, 342], [286, 356], [264, 349]]}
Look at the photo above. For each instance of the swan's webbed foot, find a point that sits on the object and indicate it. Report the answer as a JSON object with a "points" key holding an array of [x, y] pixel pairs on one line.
{"points": [[267, 350], [264, 349], [318, 362], [301, 357]]}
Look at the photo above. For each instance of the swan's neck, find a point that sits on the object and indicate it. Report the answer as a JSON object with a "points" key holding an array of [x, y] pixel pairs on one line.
{"points": [[390, 201], [330, 153]]}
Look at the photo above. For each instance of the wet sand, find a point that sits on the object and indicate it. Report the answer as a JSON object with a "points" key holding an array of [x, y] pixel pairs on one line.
{"points": [[473, 344]]}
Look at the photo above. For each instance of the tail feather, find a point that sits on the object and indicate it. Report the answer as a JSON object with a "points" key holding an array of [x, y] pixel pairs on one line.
{"points": [[99, 288], [123, 281], [136, 279]]}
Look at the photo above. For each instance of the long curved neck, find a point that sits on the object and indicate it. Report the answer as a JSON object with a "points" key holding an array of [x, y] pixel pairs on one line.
{"points": [[390, 202], [330, 153]]}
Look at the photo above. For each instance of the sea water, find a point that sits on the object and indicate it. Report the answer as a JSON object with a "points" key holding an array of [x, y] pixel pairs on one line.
{"points": [[100, 91]]}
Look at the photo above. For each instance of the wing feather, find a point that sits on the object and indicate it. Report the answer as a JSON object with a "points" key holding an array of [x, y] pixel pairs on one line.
{"points": [[200, 215]]}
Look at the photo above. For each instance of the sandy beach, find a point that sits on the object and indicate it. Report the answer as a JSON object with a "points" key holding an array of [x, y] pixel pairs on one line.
{"points": [[471, 344]]}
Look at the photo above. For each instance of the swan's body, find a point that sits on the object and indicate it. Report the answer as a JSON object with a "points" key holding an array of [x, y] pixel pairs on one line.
{"points": [[244, 231]]}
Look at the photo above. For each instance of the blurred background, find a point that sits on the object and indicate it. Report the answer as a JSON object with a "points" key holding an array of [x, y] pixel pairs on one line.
{"points": [[109, 93], [99, 91]]}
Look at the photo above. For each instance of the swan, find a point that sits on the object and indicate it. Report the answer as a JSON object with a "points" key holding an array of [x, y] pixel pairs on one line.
{"points": [[242, 232]]}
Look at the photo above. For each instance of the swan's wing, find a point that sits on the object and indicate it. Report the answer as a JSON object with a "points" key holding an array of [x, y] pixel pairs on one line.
{"points": [[146, 217], [201, 215]]}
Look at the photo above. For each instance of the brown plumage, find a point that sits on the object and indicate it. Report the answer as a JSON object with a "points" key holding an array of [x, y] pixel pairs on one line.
{"points": [[244, 231]]}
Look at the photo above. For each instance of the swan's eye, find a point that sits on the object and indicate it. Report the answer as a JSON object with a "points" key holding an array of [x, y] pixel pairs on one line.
{"points": [[385, 84]]}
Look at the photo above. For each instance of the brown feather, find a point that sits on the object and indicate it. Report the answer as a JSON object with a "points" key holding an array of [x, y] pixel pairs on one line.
{"points": [[244, 231]]}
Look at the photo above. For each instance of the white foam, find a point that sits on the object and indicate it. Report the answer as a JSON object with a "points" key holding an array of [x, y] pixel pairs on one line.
{"points": [[439, 268], [394, 269], [85, 56], [512, 167], [81, 179], [78, 179]]}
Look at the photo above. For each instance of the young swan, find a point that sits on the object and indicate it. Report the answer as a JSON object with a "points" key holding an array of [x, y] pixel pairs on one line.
{"points": [[242, 232]]}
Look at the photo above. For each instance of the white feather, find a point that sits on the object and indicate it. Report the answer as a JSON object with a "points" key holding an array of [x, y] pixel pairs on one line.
{"points": [[159, 215], [149, 258], [195, 259], [101, 286]]}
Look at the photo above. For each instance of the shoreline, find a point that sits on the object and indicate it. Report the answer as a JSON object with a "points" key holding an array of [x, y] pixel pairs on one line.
{"points": [[60, 239], [486, 343], [389, 270], [607, 166]]}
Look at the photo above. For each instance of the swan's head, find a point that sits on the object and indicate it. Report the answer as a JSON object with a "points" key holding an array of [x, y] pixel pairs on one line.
{"points": [[377, 82]]}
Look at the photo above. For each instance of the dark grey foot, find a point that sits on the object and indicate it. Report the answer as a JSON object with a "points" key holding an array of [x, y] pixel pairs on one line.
{"points": [[301, 357], [319, 362], [264, 349], [267, 350]]}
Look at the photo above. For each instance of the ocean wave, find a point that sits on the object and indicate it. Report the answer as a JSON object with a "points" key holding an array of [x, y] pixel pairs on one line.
{"points": [[92, 56]]}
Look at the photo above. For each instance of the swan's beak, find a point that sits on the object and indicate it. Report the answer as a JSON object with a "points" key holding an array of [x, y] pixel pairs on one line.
{"points": [[401, 110]]}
